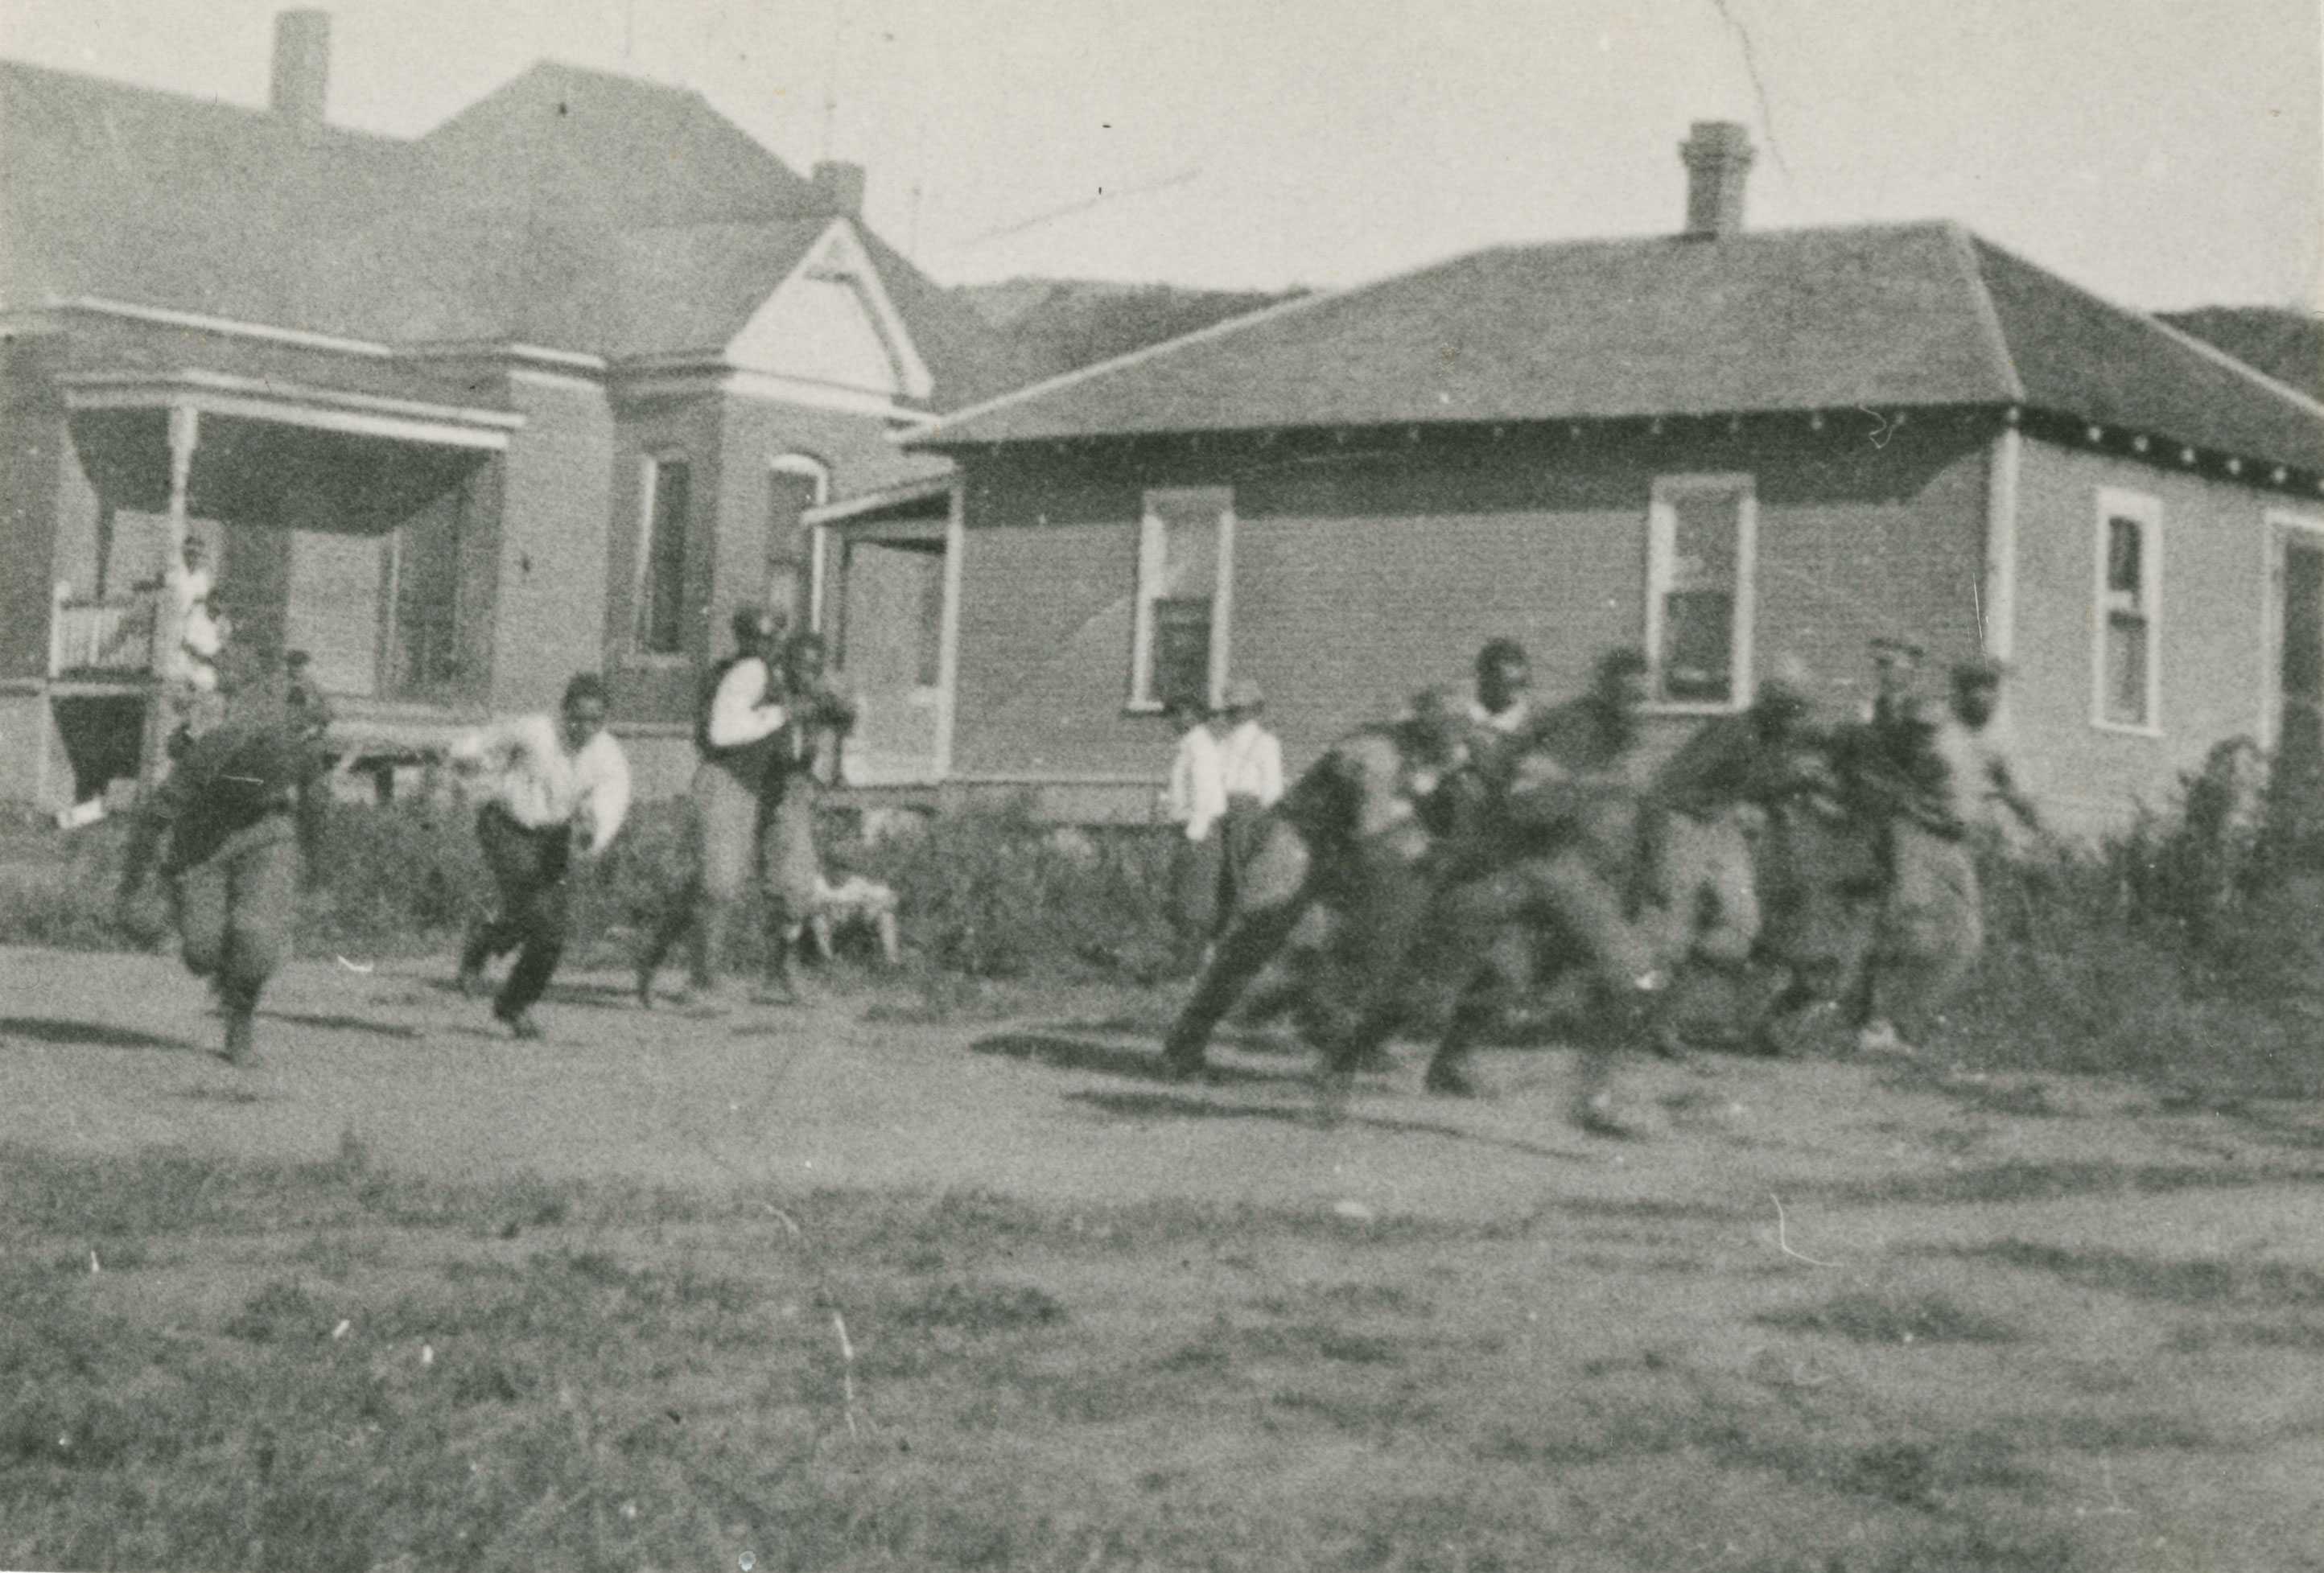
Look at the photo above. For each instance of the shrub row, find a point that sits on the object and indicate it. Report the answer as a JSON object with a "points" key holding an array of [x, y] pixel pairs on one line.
{"points": [[990, 892]]}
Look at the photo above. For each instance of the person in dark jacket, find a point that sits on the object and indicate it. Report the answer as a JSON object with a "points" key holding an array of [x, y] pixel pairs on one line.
{"points": [[738, 735], [227, 814]]}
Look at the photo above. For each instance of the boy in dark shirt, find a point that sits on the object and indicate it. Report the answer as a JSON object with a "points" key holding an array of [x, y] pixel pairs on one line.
{"points": [[228, 813]]}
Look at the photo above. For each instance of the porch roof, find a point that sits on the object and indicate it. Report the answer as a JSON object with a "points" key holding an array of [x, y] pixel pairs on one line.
{"points": [[269, 399]]}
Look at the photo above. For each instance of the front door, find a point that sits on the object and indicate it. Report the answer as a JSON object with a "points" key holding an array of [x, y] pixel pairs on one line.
{"points": [[889, 607], [2300, 657]]}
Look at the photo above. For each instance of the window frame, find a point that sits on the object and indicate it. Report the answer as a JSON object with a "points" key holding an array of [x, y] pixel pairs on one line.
{"points": [[1661, 541], [1153, 539], [2144, 510], [651, 465], [2284, 526], [794, 463]]}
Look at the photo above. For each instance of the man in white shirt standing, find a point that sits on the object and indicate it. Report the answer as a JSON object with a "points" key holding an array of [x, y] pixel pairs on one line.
{"points": [[1250, 773], [1196, 801], [553, 781], [737, 733]]}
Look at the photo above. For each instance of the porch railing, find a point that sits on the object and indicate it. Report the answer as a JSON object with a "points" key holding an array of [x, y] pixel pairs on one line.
{"points": [[111, 638]]}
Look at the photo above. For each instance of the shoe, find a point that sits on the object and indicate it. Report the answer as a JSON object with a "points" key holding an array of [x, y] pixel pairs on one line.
{"points": [[521, 1027], [1597, 1115], [241, 1048], [1880, 1037], [1184, 1052], [1450, 1082]]}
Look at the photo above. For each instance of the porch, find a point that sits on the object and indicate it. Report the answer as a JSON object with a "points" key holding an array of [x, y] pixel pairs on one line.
{"points": [[885, 599], [359, 527]]}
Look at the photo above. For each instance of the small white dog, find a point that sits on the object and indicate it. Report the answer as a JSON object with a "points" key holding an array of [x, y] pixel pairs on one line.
{"points": [[855, 901]]}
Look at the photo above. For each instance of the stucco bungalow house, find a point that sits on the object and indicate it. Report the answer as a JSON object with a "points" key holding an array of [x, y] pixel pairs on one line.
{"points": [[1719, 446], [546, 389]]}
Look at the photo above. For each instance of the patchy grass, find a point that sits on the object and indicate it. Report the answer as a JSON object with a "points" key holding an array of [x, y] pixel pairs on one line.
{"points": [[331, 1365], [1894, 1319], [2180, 1281]]}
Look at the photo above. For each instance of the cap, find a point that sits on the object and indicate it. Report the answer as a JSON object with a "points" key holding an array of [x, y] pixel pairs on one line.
{"points": [[1438, 717], [755, 622], [1242, 693]]}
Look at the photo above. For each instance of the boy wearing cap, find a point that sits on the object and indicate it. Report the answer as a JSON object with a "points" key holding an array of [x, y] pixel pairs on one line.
{"points": [[1195, 801], [736, 729], [1251, 772], [1932, 921], [1554, 844], [1351, 833], [227, 810]]}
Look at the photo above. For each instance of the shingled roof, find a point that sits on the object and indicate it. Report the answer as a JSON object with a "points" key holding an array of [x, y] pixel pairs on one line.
{"points": [[571, 209], [1884, 316]]}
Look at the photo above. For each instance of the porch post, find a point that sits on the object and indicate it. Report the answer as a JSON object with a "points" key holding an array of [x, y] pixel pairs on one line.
{"points": [[169, 621], [948, 629]]}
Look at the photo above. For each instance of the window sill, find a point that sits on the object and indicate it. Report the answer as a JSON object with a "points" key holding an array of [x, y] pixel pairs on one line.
{"points": [[2126, 729], [655, 660], [1142, 707]]}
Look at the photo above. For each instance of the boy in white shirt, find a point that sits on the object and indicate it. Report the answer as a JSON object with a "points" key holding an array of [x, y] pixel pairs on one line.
{"points": [[1250, 773], [1196, 801], [553, 781]]}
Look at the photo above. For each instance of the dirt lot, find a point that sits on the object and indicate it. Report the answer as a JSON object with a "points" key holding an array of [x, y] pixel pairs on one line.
{"points": [[991, 1294]]}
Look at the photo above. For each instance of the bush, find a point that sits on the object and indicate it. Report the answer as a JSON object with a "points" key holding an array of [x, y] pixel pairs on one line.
{"points": [[994, 892], [989, 892]]}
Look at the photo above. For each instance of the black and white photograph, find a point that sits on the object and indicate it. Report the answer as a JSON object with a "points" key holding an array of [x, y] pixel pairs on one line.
{"points": [[1094, 785]]}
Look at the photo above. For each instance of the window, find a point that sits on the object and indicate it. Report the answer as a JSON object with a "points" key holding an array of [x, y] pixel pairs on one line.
{"points": [[1179, 640], [2128, 623], [1700, 535], [794, 483], [424, 654], [662, 557]]}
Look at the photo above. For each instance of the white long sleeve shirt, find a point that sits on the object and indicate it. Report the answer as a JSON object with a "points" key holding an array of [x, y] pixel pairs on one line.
{"points": [[540, 784], [741, 712], [1198, 790], [1250, 764]]}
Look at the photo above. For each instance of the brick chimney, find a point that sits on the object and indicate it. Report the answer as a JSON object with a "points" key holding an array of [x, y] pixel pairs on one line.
{"points": [[840, 187], [1718, 159], [302, 65]]}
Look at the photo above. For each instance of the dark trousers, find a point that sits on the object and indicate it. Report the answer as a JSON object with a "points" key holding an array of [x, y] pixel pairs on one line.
{"points": [[235, 910], [529, 867], [1378, 894]]}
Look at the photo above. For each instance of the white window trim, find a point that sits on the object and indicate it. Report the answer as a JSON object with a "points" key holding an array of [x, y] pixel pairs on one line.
{"points": [[815, 469], [2145, 510], [2283, 526], [650, 466], [1151, 538], [1662, 535]]}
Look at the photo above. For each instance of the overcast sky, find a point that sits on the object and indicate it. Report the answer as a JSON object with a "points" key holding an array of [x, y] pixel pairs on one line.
{"points": [[2165, 153]]}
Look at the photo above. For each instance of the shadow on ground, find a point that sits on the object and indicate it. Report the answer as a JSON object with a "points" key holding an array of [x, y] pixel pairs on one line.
{"points": [[331, 1022], [1184, 1106], [1060, 1053], [86, 1035]]}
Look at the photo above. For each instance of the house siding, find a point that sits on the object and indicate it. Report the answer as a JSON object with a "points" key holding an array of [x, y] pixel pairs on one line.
{"points": [[650, 688], [33, 465], [1359, 579], [555, 493], [2214, 613]]}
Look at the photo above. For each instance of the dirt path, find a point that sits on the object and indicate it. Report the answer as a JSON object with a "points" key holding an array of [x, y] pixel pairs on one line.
{"points": [[2116, 1287], [108, 1054]]}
